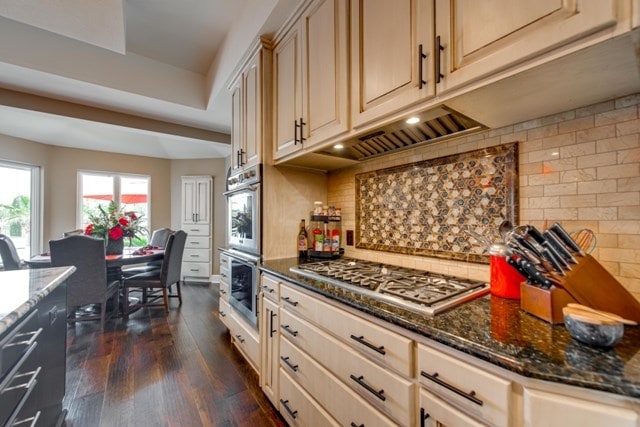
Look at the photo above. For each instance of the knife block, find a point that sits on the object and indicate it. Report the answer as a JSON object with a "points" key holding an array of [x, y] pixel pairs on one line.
{"points": [[588, 283], [591, 285], [544, 303]]}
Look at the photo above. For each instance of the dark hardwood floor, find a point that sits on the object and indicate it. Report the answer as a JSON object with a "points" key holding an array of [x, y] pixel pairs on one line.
{"points": [[157, 370]]}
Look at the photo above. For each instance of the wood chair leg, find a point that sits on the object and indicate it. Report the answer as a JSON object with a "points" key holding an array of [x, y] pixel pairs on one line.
{"points": [[165, 297]]}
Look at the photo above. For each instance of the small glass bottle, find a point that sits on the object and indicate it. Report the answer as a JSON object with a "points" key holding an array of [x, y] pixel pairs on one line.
{"points": [[303, 241]]}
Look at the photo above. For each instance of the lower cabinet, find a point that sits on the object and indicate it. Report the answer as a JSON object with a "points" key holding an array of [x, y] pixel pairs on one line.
{"points": [[245, 339], [325, 364], [33, 365]]}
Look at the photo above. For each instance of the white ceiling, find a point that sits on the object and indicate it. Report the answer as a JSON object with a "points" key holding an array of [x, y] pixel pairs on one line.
{"points": [[175, 65]]}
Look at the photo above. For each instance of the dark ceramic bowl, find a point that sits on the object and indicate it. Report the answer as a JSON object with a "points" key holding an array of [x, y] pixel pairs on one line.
{"points": [[594, 334]]}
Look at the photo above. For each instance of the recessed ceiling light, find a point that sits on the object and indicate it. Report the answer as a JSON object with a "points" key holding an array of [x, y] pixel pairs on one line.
{"points": [[413, 120], [338, 146]]}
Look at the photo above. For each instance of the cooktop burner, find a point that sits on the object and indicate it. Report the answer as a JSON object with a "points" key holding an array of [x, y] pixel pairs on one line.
{"points": [[417, 290]]}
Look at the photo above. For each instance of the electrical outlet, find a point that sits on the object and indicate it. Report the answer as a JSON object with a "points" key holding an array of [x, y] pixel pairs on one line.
{"points": [[349, 237]]}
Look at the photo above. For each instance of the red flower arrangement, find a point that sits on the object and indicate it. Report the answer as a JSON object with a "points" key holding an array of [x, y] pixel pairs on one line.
{"points": [[113, 223]]}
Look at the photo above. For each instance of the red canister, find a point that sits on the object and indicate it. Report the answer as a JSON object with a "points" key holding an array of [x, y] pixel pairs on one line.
{"points": [[505, 280]]}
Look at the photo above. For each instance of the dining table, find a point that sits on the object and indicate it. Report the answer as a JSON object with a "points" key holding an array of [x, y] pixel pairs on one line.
{"points": [[130, 256]]}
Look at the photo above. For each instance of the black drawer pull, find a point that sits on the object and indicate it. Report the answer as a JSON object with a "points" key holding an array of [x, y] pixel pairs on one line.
{"points": [[34, 336], [268, 289], [28, 384], [356, 425], [289, 301], [272, 331], [361, 382], [223, 292], [364, 342], [285, 403], [469, 396], [239, 337], [223, 314], [289, 330], [31, 420], [294, 368], [423, 417]]}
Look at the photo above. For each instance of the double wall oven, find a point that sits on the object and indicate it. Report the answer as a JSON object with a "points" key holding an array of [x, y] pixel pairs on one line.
{"points": [[243, 238]]}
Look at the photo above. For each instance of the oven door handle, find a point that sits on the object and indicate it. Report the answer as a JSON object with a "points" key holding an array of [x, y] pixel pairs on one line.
{"points": [[252, 187]]}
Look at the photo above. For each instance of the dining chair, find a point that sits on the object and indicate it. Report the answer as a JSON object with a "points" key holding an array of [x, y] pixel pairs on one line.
{"points": [[9, 254], [88, 285], [75, 232], [164, 279], [158, 239]]}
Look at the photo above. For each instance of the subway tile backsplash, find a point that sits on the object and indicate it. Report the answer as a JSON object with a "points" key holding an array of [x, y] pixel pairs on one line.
{"points": [[579, 167]]}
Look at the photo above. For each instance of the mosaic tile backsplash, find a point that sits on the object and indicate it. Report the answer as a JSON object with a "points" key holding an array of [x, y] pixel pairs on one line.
{"points": [[424, 208]]}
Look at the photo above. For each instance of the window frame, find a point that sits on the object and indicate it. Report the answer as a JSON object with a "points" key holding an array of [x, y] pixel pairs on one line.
{"points": [[117, 176]]}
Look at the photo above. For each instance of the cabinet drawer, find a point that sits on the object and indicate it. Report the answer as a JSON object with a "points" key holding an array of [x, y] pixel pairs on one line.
{"points": [[298, 408], [17, 342], [436, 413], [385, 390], [245, 338], [483, 395], [197, 242], [196, 230], [386, 347], [270, 287], [224, 310], [196, 255], [196, 269], [342, 403]]}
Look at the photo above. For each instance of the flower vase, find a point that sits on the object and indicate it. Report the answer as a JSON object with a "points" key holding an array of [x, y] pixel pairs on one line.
{"points": [[114, 247]]}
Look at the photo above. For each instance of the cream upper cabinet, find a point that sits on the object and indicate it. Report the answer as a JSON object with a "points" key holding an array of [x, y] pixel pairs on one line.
{"points": [[310, 79], [479, 38], [248, 94], [391, 56], [196, 199]]}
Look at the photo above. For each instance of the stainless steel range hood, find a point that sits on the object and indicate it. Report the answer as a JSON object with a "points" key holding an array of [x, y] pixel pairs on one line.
{"points": [[432, 126]]}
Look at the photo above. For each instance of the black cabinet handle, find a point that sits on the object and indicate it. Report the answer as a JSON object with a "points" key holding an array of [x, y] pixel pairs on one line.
{"points": [[239, 337], [469, 396], [356, 425], [223, 314], [290, 331], [439, 49], [302, 138], [366, 343], [285, 403], [271, 330], [290, 301], [360, 380], [295, 132], [421, 57], [423, 417], [294, 368]]}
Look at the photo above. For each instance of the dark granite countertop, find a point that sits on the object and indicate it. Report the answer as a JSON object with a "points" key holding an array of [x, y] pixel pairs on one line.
{"points": [[21, 290], [496, 330]]}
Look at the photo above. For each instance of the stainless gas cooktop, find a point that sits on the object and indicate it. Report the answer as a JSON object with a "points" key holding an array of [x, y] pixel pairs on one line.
{"points": [[416, 290]]}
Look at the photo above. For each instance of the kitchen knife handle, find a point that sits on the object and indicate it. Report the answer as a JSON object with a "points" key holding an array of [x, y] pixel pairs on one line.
{"points": [[560, 260], [536, 234], [557, 244], [550, 257], [566, 238]]}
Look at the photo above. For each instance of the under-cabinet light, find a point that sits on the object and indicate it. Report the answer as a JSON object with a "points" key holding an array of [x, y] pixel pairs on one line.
{"points": [[413, 120]]}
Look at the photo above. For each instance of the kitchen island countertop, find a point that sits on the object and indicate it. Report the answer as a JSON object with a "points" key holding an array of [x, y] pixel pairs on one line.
{"points": [[21, 290], [496, 330]]}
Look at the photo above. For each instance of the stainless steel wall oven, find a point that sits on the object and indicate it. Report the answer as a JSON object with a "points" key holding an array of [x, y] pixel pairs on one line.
{"points": [[244, 240], [243, 284]]}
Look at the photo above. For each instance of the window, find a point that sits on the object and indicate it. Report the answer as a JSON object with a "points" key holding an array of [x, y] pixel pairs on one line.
{"points": [[20, 206], [130, 192]]}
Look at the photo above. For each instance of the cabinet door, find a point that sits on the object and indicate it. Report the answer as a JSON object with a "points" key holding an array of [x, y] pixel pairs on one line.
{"points": [[287, 95], [386, 39], [483, 37], [203, 201], [188, 201], [436, 413], [252, 141], [269, 340], [237, 131], [324, 70]]}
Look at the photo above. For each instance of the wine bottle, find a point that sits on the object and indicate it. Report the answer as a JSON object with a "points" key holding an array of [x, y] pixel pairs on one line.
{"points": [[303, 241]]}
